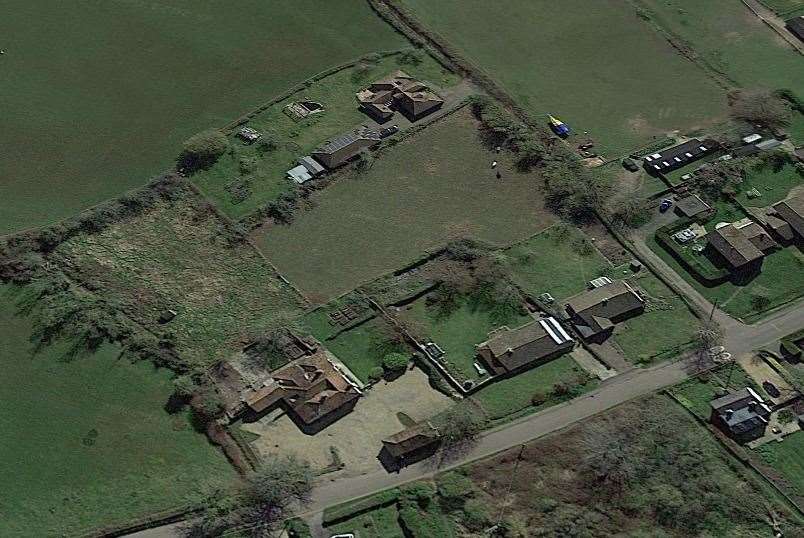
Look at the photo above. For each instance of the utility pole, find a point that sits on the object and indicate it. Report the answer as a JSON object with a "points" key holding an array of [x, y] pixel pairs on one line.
{"points": [[712, 313], [510, 484]]}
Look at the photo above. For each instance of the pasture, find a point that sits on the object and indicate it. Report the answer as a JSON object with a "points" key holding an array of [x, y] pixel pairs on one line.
{"points": [[730, 39], [180, 256], [88, 444], [98, 96], [263, 174], [430, 188], [597, 65]]}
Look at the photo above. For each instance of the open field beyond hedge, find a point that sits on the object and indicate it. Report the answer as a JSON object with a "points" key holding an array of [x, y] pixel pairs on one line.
{"points": [[179, 255], [728, 37], [434, 186], [88, 443], [596, 65], [99, 96]]}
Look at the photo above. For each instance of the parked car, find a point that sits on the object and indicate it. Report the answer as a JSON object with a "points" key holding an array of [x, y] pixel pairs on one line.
{"points": [[630, 165], [385, 132], [665, 205], [771, 389]]}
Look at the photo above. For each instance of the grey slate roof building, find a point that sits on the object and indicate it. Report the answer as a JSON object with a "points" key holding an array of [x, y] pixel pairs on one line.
{"points": [[398, 91], [742, 414], [673, 158], [510, 350], [339, 150], [692, 206], [595, 312], [796, 26], [741, 244], [791, 210], [411, 441]]}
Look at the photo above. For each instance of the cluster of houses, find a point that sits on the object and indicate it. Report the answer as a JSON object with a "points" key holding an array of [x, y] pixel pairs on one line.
{"points": [[593, 314], [380, 100], [742, 245], [314, 389]]}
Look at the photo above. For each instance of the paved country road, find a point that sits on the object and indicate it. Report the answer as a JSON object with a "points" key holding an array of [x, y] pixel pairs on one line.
{"points": [[738, 339]]}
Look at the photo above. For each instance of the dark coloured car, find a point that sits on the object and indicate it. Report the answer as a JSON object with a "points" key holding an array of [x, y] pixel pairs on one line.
{"points": [[630, 165], [385, 132], [665, 205], [771, 389]]}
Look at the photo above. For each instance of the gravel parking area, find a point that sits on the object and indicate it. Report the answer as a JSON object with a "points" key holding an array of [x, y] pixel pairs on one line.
{"points": [[357, 436]]}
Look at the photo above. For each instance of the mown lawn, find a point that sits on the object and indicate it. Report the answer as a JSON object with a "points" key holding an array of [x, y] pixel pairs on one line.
{"points": [[784, 7], [596, 65], [780, 281], [363, 347], [434, 186], [513, 395], [732, 40], [786, 458], [378, 523], [265, 173], [773, 183], [97, 97], [665, 328], [88, 444], [697, 393], [459, 331], [178, 256], [559, 261]]}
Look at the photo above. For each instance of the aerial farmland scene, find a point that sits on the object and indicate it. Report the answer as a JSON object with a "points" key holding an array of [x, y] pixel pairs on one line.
{"points": [[402, 268]]}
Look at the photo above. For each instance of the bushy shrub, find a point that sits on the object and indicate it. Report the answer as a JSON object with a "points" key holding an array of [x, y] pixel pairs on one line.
{"points": [[376, 373], [454, 489], [203, 149], [475, 515], [395, 363], [421, 493], [411, 57]]}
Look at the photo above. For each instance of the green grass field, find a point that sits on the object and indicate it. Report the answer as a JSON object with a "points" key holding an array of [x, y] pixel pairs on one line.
{"points": [[558, 261], [731, 39], [378, 523], [786, 458], [432, 187], [177, 256], [363, 347], [459, 331], [87, 443], [784, 7], [665, 328], [99, 96], [265, 173], [513, 395], [596, 65], [774, 184]]}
